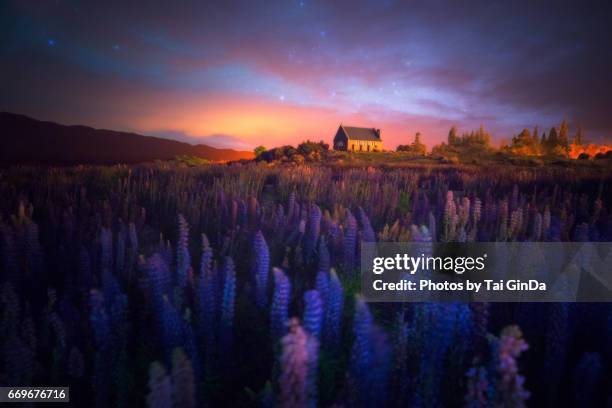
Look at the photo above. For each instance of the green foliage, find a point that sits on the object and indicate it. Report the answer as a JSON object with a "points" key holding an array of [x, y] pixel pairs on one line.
{"points": [[259, 150], [307, 151], [191, 161], [416, 147]]}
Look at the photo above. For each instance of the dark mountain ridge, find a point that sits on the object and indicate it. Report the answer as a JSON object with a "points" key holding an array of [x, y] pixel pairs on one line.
{"points": [[24, 140]]}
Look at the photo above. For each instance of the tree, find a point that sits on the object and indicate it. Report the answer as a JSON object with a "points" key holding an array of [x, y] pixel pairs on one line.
{"points": [[259, 150], [452, 136], [553, 139], [523, 143], [563, 135], [417, 146], [579, 138]]}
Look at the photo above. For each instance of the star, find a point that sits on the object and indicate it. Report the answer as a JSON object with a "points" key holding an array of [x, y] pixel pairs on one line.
{"points": [[116, 47], [282, 98], [51, 42]]}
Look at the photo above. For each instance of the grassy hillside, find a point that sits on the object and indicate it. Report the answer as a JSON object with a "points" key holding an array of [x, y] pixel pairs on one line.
{"points": [[26, 140]]}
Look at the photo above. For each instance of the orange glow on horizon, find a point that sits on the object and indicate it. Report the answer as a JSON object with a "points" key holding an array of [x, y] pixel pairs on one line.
{"points": [[273, 124]]}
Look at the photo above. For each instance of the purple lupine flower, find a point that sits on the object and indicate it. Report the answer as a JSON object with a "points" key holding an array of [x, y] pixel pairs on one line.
{"points": [[313, 313], [333, 311], [227, 304], [510, 386], [312, 346], [183, 384], [432, 227], [183, 260], [291, 210], [278, 221], [477, 388], [324, 258], [313, 229], [480, 322], [206, 307], [190, 344], [261, 269], [160, 387], [361, 354], [350, 241], [207, 258], [171, 327], [279, 311], [368, 231], [294, 365], [370, 359], [334, 242], [156, 281]]}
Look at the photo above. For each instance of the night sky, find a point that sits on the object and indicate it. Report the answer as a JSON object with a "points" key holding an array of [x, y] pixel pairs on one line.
{"points": [[244, 73]]}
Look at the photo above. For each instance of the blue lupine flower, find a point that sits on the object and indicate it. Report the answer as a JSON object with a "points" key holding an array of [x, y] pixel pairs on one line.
{"points": [[279, 311], [227, 304], [333, 311], [313, 313], [261, 269]]}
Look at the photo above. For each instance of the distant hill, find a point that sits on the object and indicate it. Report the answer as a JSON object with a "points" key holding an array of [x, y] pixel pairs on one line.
{"points": [[24, 140]]}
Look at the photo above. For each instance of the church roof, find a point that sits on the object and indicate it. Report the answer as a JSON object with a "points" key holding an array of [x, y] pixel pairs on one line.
{"points": [[357, 133]]}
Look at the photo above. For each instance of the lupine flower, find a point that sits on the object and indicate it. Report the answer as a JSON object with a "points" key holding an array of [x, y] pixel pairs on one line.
{"points": [[333, 311], [322, 285], [477, 388], [294, 366], [261, 269], [312, 346], [370, 358], [279, 311], [313, 313], [160, 387], [324, 258], [227, 304], [350, 241], [368, 232], [183, 260], [171, 326], [511, 346], [313, 230], [183, 387]]}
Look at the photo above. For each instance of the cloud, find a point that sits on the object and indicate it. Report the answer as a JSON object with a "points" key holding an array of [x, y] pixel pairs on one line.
{"points": [[217, 140], [239, 71]]}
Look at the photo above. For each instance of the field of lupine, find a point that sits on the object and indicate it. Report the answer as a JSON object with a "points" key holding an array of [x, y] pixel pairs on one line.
{"points": [[237, 285]]}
